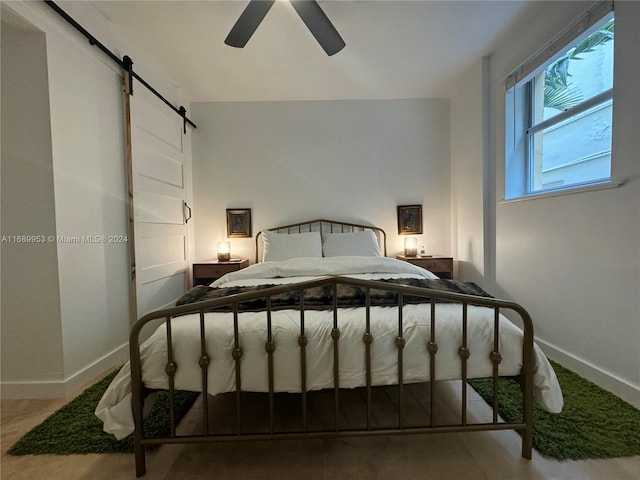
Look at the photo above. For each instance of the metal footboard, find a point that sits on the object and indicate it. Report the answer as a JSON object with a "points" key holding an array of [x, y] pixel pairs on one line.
{"points": [[234, 303]]}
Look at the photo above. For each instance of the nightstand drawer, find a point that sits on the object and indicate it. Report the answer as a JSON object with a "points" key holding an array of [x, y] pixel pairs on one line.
{"points": [[435, 264], [209, 270], [212, 271], [441, 266]]}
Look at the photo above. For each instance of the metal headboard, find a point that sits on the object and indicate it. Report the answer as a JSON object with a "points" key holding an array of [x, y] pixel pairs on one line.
{"points": [[326, 226]]}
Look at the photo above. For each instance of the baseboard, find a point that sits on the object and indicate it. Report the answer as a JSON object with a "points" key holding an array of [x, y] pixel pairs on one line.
{"points": [[32, 389], [622, 388], [80, 380], [69, 386]]}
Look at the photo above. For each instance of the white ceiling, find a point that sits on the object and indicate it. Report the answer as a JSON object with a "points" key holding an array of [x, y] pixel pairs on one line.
{"points": [[395, 48]]}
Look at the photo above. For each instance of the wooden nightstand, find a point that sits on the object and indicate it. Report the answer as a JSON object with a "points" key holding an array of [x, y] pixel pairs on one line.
{"points": [[438, 264], [207, 271]]}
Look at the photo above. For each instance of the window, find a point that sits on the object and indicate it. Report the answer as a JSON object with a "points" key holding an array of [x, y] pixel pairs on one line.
{"points": [[559, 115]]}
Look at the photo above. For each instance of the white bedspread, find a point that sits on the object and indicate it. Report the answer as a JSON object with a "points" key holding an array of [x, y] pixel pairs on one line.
{"points": [[114, 409]]}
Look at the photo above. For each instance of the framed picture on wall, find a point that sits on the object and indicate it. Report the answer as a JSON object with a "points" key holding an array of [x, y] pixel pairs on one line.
{"points": [[409, 219], [238, 222]]}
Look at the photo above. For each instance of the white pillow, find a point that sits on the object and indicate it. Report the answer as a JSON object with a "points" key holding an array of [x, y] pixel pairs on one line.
{"points": [[282, 246], [360, 244]]}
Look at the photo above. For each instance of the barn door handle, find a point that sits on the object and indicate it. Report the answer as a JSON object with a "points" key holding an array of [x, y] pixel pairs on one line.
{"points": [[187, 218]]}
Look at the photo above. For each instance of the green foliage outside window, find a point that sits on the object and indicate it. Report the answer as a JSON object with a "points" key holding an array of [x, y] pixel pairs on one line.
{"points": [[558, 92]]}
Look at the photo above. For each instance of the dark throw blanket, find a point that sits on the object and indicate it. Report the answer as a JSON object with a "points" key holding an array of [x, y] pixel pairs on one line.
{"points": [[322, 297]]}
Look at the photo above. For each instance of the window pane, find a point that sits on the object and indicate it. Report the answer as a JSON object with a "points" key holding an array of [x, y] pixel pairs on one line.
{"points": [[582, 72], [574, 151]]}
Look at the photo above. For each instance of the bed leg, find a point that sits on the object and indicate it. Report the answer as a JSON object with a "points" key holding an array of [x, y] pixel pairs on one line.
{"points": [[141, 467], [527, 442], [527, 416], [137, 403]]}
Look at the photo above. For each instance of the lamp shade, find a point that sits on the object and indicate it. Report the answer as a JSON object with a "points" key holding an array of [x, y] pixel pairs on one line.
{"points": [[410, 246], [224, 251]]}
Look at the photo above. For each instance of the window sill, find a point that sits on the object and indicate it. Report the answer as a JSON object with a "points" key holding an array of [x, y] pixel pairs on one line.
{"points": [[613, 183]]}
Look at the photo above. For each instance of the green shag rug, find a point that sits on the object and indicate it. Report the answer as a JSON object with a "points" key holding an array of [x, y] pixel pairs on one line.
{"points": [[594, 423], [74, 429]]}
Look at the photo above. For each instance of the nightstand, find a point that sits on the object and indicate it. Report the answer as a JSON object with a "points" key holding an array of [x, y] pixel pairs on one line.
{"points": [[207, 271], [438, 264]]}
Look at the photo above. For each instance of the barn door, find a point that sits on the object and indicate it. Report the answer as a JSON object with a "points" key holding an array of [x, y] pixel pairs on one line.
{"points": [[160, 192]]}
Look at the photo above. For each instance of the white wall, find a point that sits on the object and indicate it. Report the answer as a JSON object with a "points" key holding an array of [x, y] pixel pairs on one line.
{"points": [[347, 160], [468, 162], [29, 297], [86, 187], [573, 260]]}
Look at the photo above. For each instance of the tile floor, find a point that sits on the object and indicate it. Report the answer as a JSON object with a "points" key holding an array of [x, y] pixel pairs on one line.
{"points": [[482, 455]]}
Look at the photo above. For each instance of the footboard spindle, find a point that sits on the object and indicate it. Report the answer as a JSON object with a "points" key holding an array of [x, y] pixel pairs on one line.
{"points": [[302, 342], [171, 372], [368, 340], [237, 355], [204, 365], [432, 348], [400, 343], [496, 358], [270, 347], [335, 335], [464, 354]]}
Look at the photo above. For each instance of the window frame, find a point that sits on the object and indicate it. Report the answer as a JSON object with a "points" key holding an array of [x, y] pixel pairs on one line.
{"points": [[600, 99], [519, 181]]}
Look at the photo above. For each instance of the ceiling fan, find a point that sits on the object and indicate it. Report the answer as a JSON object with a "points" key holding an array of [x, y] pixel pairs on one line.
{"points": [[308, 10]]}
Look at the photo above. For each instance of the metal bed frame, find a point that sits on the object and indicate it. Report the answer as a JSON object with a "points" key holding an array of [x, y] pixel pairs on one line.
{"points": [[337, 430]]}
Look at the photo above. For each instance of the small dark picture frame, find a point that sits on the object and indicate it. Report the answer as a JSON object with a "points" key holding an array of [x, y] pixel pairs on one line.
{"points": [[238, 222], [409, 219]]}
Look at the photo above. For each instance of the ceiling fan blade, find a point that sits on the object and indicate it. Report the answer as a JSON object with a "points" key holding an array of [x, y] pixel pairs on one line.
{"points": [[248, 22], [319, 25]]}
